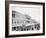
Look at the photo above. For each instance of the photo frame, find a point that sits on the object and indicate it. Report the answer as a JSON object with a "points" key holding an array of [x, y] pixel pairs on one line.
{"points": [[24, 18]]}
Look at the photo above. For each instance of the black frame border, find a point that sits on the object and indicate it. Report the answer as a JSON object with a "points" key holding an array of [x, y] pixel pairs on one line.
{"points": [[7, 18]]}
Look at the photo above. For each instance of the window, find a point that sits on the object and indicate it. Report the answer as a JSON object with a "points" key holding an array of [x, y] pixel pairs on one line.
{"points": [[13, 14]]}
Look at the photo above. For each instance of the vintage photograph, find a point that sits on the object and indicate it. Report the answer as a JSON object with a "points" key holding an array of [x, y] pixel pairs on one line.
{"points": [[27, 19]]}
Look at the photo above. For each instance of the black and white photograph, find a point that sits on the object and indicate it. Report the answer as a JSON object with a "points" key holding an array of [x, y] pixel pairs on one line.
{"points": [[25, 18]]}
